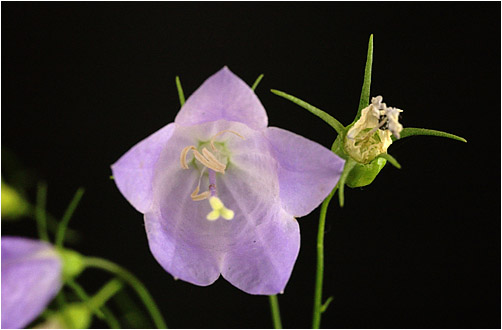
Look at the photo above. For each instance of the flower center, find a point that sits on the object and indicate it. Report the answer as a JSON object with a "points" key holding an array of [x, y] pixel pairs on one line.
{"points": [[213, 164]]}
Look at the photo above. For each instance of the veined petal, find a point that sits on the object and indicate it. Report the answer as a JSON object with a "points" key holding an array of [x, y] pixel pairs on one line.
{"points": [[262, 260], [307, 171], [133, 172], [183, 258], [31, 277], [223, 96]]}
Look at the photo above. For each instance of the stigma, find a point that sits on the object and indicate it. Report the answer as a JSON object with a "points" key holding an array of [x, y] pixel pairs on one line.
{"points": [[213, 162], [219, 210]]}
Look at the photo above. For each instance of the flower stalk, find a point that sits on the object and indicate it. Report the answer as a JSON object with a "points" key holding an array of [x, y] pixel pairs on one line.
{"points": [[135, 283], [274, 309], [316, 318]]}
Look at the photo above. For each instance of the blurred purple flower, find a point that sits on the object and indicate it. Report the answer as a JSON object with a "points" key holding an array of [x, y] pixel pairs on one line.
{"points": [[31, 278], [256, 180]]}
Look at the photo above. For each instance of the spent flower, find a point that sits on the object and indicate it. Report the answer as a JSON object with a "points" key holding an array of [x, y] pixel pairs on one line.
{"points": [[364, 142], [220, 190]]}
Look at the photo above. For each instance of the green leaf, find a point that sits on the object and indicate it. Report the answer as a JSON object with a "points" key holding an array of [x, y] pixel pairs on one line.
{"points": [[349, 165], [180, 91], [339, 128], [257, 81], [365, 92], [324, 306], [411, 131], [391, 160]]}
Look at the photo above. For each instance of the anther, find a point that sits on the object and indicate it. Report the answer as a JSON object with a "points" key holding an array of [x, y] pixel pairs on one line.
{"points": [[199, 197], [212, 158], [183, 157], [217, 167]]}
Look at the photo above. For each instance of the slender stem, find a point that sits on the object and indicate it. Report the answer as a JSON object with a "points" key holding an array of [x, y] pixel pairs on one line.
{"points": [[40, 214], [134, 283], [276, 313], [103, 312], [106, 292], [316, 320], [67, 216], [82, 295]]}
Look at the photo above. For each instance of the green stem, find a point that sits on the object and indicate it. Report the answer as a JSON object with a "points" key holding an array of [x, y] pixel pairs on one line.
{"points": [[134, 283], [106, 292], [276, 313], [40, 214], [103, 312], [82, 295], [67, 216], [316, 320]]}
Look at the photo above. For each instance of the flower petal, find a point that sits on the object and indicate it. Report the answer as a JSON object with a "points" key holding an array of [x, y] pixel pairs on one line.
{"points": [[262, 260], [31, 277], [183, 258], [223, 96], [182, 240], [133, 172], [307, 171]]}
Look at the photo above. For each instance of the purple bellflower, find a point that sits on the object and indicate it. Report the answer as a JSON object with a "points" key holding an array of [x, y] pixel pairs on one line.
{"points": [[220, 190], [31, 278]]}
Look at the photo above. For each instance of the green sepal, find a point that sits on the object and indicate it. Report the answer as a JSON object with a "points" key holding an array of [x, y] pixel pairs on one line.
{"points": [[257, 81], [365, 91], [412, 131], [337, 146], [181, 95], [330, 120], [349, 166], [364, 174], [391, 160], [73, 263]]}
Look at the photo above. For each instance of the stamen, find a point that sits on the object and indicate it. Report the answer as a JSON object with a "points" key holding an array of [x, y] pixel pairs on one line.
{"points": [[214, 166], [183, 157], [195, 195], [212, 158], [220, 133], [199, 197]]}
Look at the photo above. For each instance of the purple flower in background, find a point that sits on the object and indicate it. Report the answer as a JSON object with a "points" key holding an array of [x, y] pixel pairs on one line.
{"points": [[31, 278], [220, 190]]}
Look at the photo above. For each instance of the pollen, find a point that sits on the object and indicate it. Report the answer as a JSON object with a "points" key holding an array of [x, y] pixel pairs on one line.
{"points": [[219, 210]]}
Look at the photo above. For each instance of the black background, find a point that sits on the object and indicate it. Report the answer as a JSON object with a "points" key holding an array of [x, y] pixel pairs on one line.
{"points": [[419, 248]]}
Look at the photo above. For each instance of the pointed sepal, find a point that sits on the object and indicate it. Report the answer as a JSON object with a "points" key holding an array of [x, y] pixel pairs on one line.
{"points": [[257, 81], [349, 165], [365, 92], [412, 131], [391, 160], [330, 120]]}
